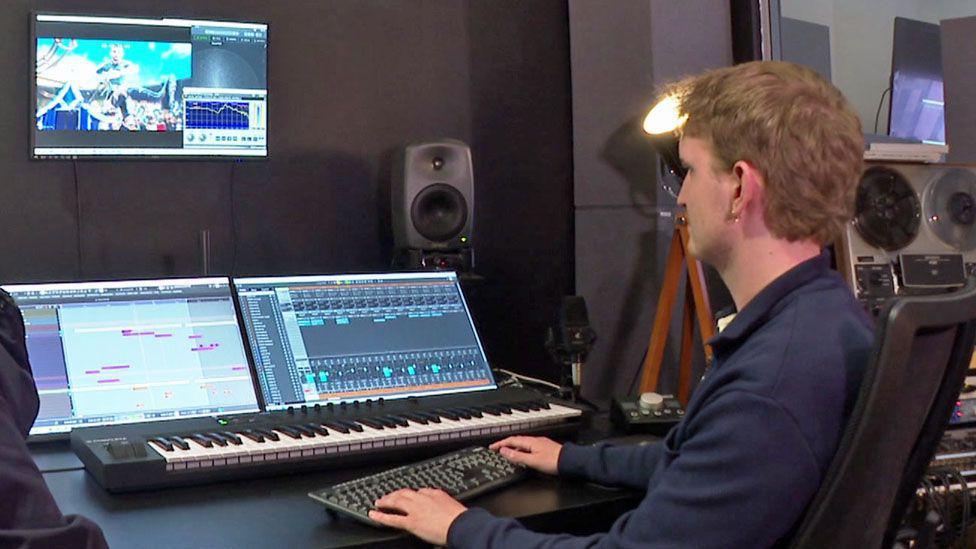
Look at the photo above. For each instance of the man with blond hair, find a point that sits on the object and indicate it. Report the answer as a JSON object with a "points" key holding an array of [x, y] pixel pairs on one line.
{"points": [[773, 154]]}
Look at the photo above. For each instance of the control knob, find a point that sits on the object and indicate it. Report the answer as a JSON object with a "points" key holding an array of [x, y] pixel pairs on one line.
{"points": [[652, 402]]}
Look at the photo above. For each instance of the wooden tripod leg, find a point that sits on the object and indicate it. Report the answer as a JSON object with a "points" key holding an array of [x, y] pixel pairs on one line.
{"points": [[687, 340], [696, 281], [651, 368]]}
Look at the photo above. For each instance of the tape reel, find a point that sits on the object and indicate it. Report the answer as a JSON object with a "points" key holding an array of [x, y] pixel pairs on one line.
{"points": [[949, 204], [888, 211]]}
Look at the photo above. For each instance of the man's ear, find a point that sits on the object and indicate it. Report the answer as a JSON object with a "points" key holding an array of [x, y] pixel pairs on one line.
{"points": [[749, 189]]}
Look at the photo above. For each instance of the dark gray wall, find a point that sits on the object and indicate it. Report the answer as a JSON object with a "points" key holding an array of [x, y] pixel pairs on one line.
{"points": [[349, 82], [959, 71], [623, 218]]}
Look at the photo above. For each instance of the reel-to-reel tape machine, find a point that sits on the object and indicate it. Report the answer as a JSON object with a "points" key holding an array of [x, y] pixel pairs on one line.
{"points": [[914, 231]]}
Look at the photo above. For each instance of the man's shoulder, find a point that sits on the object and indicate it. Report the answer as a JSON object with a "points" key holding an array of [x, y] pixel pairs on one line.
{"points": [[817, 335], [829, 317]]}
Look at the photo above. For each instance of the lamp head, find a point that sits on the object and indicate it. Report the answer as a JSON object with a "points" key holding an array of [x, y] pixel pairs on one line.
{"points": [[663, 124]]}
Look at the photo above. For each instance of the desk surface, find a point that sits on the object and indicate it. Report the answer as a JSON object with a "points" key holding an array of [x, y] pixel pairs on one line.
{"points": [[276, 511]]}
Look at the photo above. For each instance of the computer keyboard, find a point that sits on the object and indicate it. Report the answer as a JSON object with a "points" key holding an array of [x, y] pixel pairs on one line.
{"points": [[463, 474]]}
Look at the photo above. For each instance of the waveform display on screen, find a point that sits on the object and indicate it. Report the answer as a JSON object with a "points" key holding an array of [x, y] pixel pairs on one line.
{"points": [[219, 115]]}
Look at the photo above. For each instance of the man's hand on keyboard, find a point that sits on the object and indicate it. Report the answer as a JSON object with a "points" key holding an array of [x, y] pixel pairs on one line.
{"points": [[426, 513], [539, 453]]}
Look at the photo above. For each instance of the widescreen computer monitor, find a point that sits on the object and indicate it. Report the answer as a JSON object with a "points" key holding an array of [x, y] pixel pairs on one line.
{"points": [[120, 86], [321, 339], [917, 96], [130, 351]]}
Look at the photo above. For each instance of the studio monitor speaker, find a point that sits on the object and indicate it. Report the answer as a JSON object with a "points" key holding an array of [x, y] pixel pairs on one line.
{"points": [[914, 231], [433, 197]]}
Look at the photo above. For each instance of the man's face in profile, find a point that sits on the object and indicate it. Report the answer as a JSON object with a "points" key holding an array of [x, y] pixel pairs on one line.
{"points": [[705, 196]]}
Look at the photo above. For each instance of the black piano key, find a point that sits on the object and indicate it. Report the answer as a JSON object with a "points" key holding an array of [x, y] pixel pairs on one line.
{"points": [[268, 434], [201, 440], [180, 442], [305, 431], [288, 431], [520, 406], [472, 411], [371, 423], [401, 421], [489, 410], [443, 412], [461, 413], [416, 418], [544, 404], [163, 443], [217, 439], [253, 435], [317, 429], [337, 426], [433, 418], [533, 405], [232, 438], [350, 425], [500, 408]]}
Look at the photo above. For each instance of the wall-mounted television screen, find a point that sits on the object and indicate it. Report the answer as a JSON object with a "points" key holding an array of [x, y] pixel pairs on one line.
{"points": [[115, 86]]}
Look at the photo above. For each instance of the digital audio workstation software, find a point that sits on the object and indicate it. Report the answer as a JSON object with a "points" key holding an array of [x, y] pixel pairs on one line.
{"points": [[340, 338], [130, 351]]}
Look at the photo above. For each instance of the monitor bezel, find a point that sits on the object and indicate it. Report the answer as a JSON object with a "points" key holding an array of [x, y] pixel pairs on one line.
{"points": [[32, 97]]}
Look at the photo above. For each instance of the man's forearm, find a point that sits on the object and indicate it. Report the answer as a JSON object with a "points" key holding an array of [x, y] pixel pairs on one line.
{"points": [[627, 465]]}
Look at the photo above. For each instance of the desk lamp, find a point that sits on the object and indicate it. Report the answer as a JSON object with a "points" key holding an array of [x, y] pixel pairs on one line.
{"points": [[663, 124]]}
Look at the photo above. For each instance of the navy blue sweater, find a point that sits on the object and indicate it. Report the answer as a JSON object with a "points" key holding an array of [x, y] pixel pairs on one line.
{"points": [[29, 517], [757, 437]]}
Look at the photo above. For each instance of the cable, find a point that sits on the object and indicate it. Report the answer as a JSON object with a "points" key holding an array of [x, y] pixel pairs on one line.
{"points": [[233, 220], [529, 379], [637, 375], [945, 477], [878, 114], [74, 171], [933, 500], [62, 469], [965, 501]]}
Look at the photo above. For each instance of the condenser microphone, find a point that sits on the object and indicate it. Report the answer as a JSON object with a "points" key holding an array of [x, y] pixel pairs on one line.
{"points": [[571, 339]]}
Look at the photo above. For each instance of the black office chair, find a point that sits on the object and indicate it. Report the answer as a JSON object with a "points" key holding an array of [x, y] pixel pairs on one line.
{"points": [[918, 365]]}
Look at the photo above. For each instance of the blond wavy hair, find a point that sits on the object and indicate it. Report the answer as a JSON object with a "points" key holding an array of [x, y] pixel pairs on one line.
{"points": [[796, 128]]}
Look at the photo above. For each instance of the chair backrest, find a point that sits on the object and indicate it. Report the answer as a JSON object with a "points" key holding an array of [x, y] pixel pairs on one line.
{"points": [[922, 349]]}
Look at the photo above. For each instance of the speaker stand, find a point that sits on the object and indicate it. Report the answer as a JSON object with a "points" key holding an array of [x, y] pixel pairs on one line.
{"points": [[413, 259], [695, 303]]}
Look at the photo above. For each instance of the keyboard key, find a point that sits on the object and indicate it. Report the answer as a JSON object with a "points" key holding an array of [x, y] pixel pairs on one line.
{"points": [[162, 443], [268, 434], [201, 440]]}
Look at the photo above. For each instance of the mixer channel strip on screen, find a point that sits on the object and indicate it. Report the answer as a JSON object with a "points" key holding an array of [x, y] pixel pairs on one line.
{"points": [[329, 338]]}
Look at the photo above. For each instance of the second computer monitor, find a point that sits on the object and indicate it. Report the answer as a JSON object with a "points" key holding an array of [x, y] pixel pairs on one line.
{"points": [[318, 339]]}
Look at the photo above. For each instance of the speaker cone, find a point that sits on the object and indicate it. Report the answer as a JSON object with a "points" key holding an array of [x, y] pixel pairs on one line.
{"points": [[887, 209], [439, 212]]}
